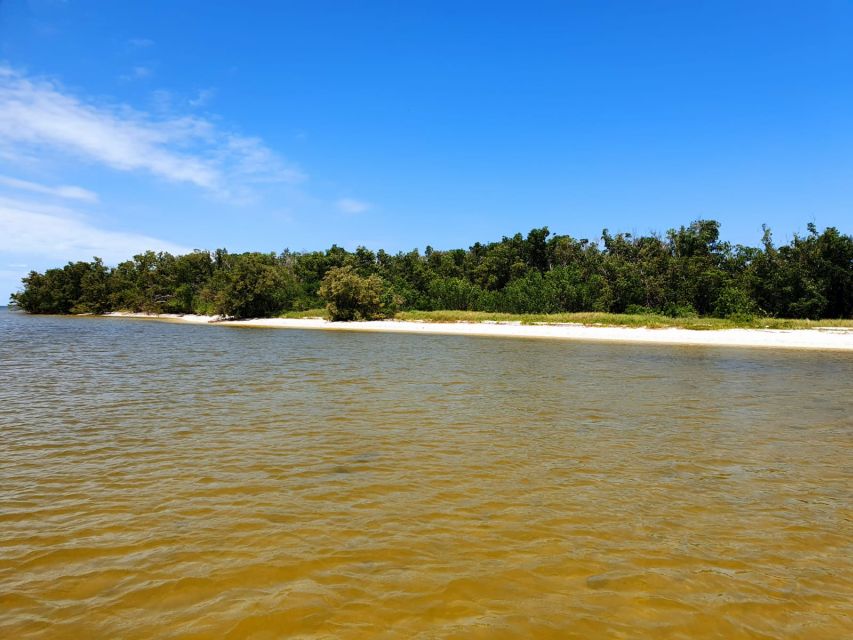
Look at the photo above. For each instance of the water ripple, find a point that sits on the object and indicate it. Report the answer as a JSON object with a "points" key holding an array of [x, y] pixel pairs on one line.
{"points": [[171, 481]]}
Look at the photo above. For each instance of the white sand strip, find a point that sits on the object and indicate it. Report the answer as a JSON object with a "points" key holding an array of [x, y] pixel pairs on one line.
{"points": [[838, 339], [176, 317]]}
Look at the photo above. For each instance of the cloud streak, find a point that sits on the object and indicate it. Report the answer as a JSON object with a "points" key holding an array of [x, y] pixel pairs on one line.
{"points": [[138, 72], [352, 206], [39, 116], [203, 97], [140, 43], [67, 192], [56, 233]]}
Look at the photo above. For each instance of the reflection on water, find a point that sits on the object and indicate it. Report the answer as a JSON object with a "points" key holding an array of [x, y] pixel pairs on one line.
{"points": [[173, 481]]}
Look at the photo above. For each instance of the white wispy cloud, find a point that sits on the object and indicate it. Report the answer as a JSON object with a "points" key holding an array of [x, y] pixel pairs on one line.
{"points": [[352, 206], [140, 43], [69, 192], [60, 234], [138, 72], [38, 115], [202, 98]]}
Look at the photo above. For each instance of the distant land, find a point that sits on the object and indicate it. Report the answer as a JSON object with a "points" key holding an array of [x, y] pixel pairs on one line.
{"points": [[684, 274]]}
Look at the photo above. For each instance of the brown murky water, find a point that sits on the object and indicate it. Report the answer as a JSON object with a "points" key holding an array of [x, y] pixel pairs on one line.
{"points": [[170, 481]]}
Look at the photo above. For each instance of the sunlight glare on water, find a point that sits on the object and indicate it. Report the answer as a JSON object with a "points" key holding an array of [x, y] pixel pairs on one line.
{"points": [[169, 481]]}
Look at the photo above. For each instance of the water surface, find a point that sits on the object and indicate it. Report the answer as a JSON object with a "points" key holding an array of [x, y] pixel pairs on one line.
{"points": [[161, 480]]}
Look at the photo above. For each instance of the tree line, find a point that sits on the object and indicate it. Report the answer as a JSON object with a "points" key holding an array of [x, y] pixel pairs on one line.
{"points": [[687, 271]]}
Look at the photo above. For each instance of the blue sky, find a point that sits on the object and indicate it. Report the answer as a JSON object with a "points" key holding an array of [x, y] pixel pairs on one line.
{"points": [[264, 125]]}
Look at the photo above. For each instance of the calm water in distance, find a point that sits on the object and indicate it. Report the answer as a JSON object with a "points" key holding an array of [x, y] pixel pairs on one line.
{"points": [[161, 480]]}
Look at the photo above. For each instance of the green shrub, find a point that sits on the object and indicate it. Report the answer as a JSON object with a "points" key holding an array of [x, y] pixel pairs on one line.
{"points": [[250, 285], [349, 296], [680, 311], [734, 303]]}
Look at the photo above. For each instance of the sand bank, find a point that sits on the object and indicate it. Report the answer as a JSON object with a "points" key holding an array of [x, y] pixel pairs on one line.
{"points": [[838, 339]]}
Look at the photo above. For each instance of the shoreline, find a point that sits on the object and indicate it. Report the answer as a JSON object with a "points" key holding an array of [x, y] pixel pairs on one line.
{"points": [[828, 338]]}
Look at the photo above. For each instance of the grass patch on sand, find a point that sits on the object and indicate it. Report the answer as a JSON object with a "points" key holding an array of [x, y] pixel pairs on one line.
{"points": [[652, 321], [307, 313]]}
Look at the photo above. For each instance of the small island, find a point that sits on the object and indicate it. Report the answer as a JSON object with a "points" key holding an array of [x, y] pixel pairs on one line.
{"points": [[687, 279]]}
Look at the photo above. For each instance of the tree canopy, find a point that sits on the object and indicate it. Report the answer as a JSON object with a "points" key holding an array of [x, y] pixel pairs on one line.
{"points": [[687, 271]]}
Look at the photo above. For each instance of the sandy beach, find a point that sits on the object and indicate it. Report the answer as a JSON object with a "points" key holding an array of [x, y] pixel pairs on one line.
{"points": [[836, 339]]}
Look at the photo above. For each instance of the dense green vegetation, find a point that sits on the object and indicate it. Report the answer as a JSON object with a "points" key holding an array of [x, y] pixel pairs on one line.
{"points": [[688, 273]]}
